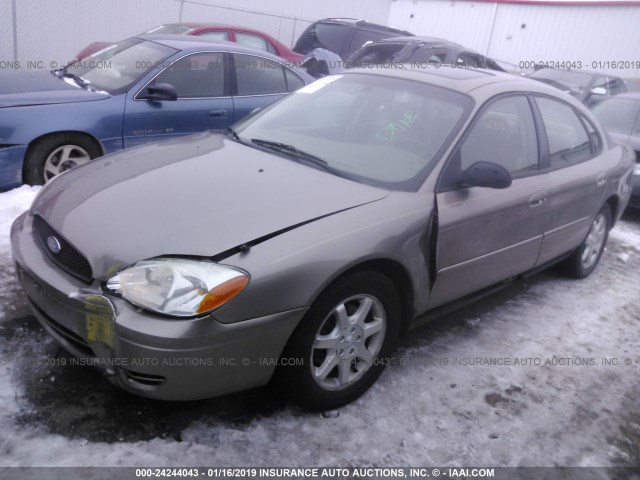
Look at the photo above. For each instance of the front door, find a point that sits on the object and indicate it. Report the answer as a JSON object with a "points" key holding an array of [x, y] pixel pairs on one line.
{"points": [[204, 103], [487, 235]]}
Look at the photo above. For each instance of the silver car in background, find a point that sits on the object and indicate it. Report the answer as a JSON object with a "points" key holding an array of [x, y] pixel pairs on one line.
{"points": [[308, 239]]}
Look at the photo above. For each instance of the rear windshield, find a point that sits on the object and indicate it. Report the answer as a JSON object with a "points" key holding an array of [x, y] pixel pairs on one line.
{"points": [[330, 36], [171, 29]]}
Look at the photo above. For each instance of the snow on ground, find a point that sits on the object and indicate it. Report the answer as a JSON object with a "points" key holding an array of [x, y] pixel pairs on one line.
{"points": [[549, 399]]}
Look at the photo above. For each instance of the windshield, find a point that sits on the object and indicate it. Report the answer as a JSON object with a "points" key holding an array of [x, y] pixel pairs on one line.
{"points": [[172, 29], [617, 115], [116, 68], [383, 131], [565, 77]]}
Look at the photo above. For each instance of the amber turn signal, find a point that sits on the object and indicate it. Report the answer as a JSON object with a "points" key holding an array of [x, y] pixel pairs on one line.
{"points": [[222, 293]]}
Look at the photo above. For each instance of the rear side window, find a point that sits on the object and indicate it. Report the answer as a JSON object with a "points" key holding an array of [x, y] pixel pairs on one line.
{"points": [[254, 41], [294, 82], [568, 140], [258, 76], [221, 35]]}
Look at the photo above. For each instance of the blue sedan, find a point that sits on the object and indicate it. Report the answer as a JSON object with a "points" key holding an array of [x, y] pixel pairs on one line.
{"points": [[140, 90]]}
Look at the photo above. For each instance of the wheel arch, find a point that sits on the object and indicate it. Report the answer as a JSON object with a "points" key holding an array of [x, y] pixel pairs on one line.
{"points": [[48, 135], [396, 272]]}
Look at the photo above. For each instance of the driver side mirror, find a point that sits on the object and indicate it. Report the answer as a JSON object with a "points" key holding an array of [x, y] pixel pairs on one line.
{"points": [[159, 92], [598, 91], [486, 174]]}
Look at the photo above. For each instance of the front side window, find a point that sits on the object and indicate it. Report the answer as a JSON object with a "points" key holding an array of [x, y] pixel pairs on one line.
{"points": [[568, 140], [504, 134], [383, 131], [199, 75], [259, 76]]}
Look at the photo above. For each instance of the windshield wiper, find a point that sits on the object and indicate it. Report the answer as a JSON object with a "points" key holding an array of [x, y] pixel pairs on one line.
{"points": [[63, 73], [295, 152]]}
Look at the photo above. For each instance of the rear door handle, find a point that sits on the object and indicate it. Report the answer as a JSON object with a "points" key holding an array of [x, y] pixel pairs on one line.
{"points": [[218, 113], [601, 179], [538, 198]]}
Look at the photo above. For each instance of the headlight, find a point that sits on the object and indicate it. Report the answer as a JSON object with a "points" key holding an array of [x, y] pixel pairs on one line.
{"points": [[636, 169], [182, 288]]}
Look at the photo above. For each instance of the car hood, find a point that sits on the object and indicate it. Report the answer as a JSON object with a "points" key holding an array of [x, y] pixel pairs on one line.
{"points": [[40, 88], [200, 195]]}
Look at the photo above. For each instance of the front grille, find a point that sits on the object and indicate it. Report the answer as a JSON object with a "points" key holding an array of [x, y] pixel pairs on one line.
{"points": [[73, 338], [68, 258]]}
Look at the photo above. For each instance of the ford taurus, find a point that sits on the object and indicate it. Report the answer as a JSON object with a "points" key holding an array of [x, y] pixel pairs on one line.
{"points": [[305, 241]]}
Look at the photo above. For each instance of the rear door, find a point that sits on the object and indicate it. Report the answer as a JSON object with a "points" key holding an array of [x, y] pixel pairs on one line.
{"points": [[577, 174], [204, 101], [487, 235]]}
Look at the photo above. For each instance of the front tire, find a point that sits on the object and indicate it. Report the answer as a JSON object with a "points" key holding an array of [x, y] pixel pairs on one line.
{"points": [[50, 156], [343, 343], [586, 257]]}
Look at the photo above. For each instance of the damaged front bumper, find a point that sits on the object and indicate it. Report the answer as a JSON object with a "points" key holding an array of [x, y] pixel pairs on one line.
{"points": [[142, 353]]}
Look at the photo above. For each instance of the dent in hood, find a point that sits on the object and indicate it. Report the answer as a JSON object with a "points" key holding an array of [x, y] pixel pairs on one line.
{"points": [[201, 195]]}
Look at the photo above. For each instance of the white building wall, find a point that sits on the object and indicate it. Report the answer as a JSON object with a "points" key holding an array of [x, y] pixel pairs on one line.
{"points": [[55, 30], [514, 33]]}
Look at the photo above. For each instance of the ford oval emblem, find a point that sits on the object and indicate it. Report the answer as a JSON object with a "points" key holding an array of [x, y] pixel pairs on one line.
{"points": [[54, 244]]}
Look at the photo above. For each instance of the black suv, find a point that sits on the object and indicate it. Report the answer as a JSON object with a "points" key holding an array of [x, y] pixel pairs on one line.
{"points": [[343, 36]]}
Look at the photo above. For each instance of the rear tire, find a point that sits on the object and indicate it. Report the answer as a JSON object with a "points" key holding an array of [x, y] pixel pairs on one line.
{"points": [[52, 155], [343, 343], [586, 257]]}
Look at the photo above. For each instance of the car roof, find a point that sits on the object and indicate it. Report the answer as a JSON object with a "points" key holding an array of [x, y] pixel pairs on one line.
{"points": [[186, 42], [363, 23], [586, 73], [433, 42], [419, 39], [466, 80], [222, 26], [634, 96]]}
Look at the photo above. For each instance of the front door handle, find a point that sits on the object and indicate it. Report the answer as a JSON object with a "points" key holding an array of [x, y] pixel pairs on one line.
{"points": [[538, 198], [218, 113]]}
